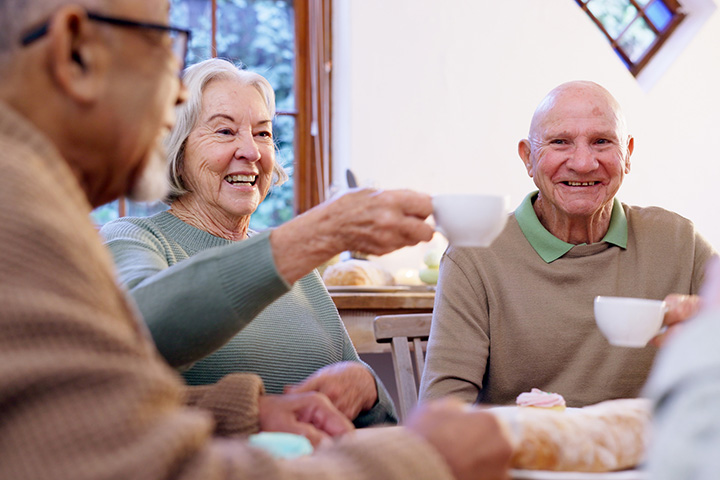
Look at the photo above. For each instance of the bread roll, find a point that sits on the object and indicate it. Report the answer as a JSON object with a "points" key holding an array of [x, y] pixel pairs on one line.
{"points": [[604, 437], [357, 273]]}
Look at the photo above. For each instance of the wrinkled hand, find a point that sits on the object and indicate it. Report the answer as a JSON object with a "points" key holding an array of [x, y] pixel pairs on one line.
{"points": [[380, 221], [309, 414], [471, 440], [680, 308], [363, 220], [349, 385]]}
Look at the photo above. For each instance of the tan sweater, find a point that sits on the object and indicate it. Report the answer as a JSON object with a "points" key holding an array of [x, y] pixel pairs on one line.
{"points": [[85, 396], [506, 321]]}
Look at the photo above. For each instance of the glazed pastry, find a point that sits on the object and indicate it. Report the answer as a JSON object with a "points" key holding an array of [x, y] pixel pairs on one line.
{"points": [[607, 436]]}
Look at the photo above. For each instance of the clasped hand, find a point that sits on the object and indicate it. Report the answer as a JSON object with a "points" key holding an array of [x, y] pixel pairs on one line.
{"points": [[349, 385]]}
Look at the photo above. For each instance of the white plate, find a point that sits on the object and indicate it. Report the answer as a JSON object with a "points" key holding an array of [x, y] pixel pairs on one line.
{"points": [[380, 289], [547, 475]]}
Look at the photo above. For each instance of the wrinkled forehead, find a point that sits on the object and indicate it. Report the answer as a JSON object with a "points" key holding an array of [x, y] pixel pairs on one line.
{"points": [[234, 96]]}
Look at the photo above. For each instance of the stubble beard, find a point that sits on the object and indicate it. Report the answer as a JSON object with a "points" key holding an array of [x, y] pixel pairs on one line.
{"points": [[152, 183]]}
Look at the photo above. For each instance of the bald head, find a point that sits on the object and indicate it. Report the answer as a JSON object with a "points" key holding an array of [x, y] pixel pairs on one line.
{"points": [[578, 93]]}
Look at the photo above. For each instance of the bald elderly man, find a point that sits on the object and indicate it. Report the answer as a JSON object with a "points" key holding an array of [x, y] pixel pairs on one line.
{"points": [[87, 90], [519, 314]]}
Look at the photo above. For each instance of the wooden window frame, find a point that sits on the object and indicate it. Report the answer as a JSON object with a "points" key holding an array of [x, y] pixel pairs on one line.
{"points": [[313, 76], [636, 67]]}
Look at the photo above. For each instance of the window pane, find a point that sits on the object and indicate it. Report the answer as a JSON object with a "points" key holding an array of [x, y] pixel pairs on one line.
{"points": [[659, 14], [197, 16], [277, 207], [642, 3], [136, 209], [637, 40], [615, 15], [105, 213], [261, 35]]}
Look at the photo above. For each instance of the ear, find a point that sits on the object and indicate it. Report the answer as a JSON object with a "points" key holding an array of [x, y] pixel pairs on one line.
{"points": [[630, 148], [74, 55], [524, 152]]}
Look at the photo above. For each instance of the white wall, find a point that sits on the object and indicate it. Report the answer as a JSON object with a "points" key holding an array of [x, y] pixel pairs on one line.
{"points": [[434, 95]]}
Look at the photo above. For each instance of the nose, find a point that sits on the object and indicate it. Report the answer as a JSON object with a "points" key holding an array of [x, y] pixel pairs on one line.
{"points": [[247, 148], [582, 159]]}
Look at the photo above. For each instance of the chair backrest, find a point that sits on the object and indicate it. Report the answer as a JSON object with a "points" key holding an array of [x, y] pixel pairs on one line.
{"points": [[402, 331]]}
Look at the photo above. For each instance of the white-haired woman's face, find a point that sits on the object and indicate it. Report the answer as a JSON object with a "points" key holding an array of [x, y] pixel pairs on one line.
{"points": [[230, 154]]}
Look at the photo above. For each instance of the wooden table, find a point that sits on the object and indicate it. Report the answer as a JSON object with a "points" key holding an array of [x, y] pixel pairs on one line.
{"points": [[359, 309]]}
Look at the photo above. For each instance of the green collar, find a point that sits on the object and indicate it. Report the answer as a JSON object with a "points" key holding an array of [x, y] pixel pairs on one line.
{"points": [[549, 247]]}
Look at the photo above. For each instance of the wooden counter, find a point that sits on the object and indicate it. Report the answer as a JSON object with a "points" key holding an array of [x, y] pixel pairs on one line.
{"points": [[359, 309]]}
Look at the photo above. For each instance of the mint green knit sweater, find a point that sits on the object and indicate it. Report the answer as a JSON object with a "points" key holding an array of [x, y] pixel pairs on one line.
{"points": [[215, 306]]}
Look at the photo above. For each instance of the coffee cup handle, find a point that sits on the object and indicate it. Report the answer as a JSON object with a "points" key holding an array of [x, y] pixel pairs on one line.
{"points": [[663, 327]]}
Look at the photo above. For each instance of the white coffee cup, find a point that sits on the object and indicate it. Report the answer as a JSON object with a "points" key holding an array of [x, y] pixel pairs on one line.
{"points": [[629, 322], [470, 219]]}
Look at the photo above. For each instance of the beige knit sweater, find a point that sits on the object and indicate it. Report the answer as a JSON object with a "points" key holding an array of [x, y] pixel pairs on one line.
{"points": [[506, 321], [84, 395]]}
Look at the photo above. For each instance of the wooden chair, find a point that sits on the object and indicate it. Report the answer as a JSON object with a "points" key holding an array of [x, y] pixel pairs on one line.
{"points": [[402, 331]]}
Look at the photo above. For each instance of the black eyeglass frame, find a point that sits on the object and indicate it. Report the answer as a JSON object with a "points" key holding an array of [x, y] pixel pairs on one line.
{"points": [[42, 30]]}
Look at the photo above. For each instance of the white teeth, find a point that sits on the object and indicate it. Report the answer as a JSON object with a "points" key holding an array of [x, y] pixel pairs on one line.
{"points": [[581, 184], [241, 178]]}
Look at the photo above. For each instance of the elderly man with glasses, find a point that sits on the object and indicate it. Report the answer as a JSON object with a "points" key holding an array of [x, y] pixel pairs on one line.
{"points": [[87, 91]]}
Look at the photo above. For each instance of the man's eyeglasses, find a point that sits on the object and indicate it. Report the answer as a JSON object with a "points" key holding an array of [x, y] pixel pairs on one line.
{"points": [[180, 37]]}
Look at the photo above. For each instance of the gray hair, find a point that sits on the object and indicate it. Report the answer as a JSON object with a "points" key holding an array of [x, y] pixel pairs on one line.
{"points": [[196, 78]]}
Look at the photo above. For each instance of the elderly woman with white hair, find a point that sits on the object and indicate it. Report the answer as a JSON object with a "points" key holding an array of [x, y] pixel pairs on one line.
{"points": [[219, 298]]}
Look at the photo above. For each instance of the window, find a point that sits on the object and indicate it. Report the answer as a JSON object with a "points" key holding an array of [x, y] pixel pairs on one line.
{"points": [[636, 28], [286, 41]]}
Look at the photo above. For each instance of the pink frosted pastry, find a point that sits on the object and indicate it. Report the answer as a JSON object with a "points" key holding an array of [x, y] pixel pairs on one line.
{"points": [[539, 399]]}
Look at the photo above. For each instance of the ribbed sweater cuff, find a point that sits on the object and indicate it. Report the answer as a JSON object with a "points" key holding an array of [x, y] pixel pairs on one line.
{"points": [[233, 402]]}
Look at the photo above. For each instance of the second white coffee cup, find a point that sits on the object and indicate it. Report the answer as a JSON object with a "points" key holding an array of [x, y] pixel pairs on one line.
{"points": [[629, 322]]}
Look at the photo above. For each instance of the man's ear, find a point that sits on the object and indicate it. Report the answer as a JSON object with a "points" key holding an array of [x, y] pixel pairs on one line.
{"points": [[74, 55], [630, 148], [524, 152]]}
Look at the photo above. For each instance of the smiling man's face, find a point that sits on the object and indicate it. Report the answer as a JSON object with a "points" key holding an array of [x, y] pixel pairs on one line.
{"points": [[578, 152]]}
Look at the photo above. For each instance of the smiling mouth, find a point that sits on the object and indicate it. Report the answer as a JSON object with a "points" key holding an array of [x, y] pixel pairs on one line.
{"points": [[241, 179], [580, 184]]}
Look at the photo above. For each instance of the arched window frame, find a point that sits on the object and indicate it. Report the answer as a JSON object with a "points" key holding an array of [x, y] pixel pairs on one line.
{"points": [[662, 34]]}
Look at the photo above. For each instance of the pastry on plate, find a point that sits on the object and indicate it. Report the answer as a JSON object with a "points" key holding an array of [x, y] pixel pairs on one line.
{"points": [[355, 272], [604, 437]]}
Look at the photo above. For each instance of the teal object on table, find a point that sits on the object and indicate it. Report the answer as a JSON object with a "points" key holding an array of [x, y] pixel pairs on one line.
{"points": [[282, 445]]}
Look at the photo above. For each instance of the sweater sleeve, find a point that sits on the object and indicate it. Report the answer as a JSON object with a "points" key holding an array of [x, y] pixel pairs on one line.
{"points": [[459, 343], [194, 307], [703, 252], [685, 385]]}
